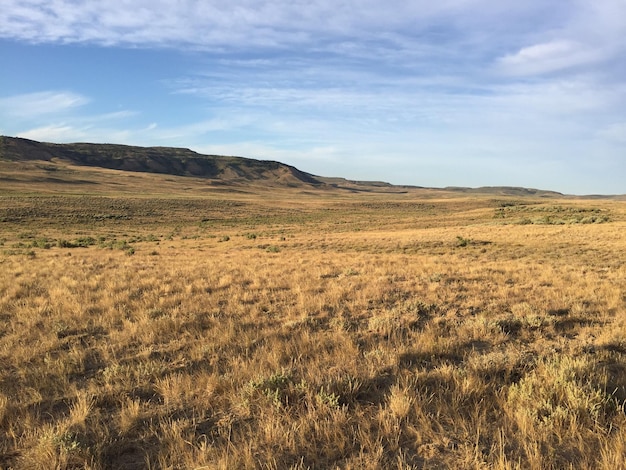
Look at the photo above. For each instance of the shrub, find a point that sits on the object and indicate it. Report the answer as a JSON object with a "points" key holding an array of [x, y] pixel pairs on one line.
{"points": [[41, 243], [82, 242], [460, 241]]}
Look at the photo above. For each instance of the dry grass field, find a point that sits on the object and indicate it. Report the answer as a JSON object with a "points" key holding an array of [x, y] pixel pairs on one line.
{"points": [[285, 329]]}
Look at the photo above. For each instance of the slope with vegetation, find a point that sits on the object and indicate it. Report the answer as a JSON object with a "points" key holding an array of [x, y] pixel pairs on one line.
{"points": [[83, 164], [163, 160]]}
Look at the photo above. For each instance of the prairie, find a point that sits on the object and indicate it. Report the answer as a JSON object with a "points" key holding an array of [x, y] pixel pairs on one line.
{"points": [[225, 328]]}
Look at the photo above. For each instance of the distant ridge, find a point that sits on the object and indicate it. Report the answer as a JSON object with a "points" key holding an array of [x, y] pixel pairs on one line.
{"points": [[217, 169], [505, 191], [164, 160]]}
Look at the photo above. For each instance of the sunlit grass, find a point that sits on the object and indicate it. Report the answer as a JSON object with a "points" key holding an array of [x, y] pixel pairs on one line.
{"points": [[369, 331]]}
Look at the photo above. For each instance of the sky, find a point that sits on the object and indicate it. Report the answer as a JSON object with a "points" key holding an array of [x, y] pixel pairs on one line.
{"points": [[426, 93]]}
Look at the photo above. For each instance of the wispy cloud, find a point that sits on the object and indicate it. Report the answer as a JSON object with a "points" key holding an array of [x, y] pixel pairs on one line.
{"points": [[585, 38], [522, 37], [550, 57], [247, 23], [57, 116], [425, 84], [54, 133], [32, 105], [63, 132]]}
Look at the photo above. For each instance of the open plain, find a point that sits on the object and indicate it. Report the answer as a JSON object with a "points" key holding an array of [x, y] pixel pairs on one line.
{"points": [[152, 321]]}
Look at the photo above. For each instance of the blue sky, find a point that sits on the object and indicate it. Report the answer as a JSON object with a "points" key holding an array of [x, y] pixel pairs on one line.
{"points": [[446, 93]]}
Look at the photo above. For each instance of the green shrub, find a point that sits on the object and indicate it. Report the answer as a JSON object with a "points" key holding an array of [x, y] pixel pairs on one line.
{"points": [[41, 243], [460, 241], [82, 242]]}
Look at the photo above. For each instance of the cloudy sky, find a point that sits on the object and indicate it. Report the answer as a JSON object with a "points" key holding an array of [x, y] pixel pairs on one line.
{"points": [[429, 93]]}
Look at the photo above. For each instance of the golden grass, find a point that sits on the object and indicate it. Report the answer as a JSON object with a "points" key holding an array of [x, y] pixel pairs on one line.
{"points": [[330, 331]]}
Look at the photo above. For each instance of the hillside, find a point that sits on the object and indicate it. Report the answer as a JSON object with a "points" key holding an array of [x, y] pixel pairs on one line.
{"points": [[163, 160], [24, 162]]}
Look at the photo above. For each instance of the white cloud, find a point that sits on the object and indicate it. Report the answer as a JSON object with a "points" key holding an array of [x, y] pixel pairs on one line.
{"points": [[528, 37], [587, 37], [550, 57], [76, 132], [302, 158], [32, 105], [113, 116], [249, 23], [59, 117], [60, 133]]}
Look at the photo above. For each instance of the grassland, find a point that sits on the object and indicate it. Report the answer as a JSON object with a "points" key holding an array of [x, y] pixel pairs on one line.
{"points": [[277, 329]]}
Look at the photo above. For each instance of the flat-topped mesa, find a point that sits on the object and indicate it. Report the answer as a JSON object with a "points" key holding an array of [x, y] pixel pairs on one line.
{"points": [[164, 160]]}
